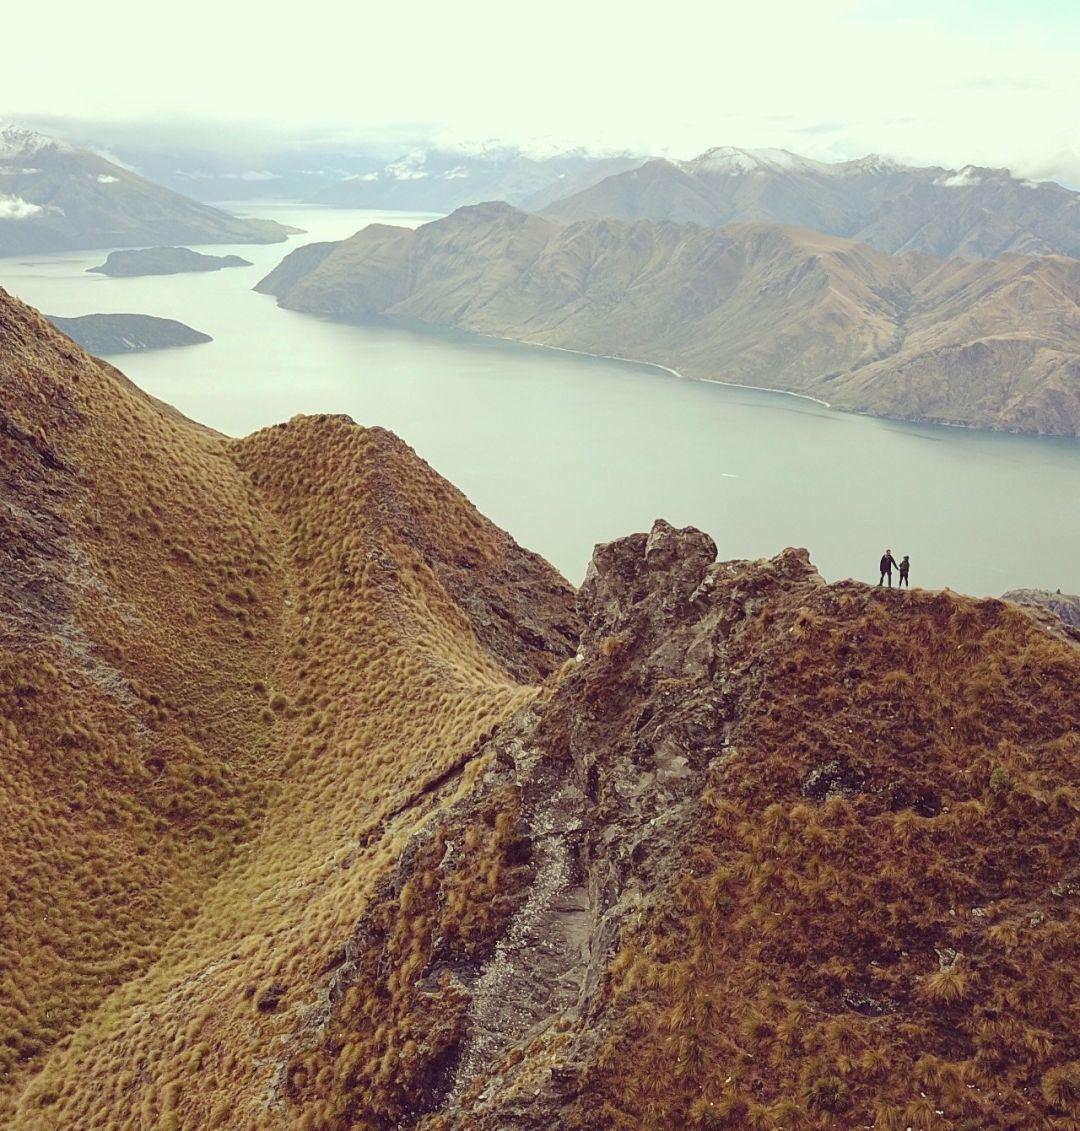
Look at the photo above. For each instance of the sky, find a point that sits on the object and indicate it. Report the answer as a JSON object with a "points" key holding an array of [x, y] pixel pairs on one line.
{"points": [[951, 82]]}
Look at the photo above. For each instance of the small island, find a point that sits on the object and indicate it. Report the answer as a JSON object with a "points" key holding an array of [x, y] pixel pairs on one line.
{"points": [[127, 333], [163, 261]]}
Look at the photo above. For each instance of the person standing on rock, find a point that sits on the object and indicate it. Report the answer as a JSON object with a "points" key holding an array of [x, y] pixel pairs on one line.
{"points": [[903, 567], [887, 563]]}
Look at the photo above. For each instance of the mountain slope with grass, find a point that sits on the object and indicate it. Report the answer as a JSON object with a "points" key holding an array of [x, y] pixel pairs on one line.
{"points": [[989, 344], [971, 213], [55, 197], [328, 806]]}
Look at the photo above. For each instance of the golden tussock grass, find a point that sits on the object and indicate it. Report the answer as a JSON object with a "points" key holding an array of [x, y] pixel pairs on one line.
{"points": [[877, 911], [219, 724]]}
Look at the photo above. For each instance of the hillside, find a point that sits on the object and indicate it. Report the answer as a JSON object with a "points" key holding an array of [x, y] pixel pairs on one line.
{"points": [[55, 197], [993, 344], [127, 333], [971, 213], [328, 806]]}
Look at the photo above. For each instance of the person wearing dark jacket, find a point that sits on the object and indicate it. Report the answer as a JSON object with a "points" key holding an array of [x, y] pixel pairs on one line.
{"points": [[903, 567], [887, 563]]}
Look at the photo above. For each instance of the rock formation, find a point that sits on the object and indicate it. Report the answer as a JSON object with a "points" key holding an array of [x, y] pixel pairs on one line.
{"points": [[127, 333], [1065, 606], [990, 344], [163, 261], [328, 806]]}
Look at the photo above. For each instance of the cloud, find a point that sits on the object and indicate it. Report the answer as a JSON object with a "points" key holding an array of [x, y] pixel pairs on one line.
{"points": [[105, 179], [962, 179], [15, 208], [932, 83]]}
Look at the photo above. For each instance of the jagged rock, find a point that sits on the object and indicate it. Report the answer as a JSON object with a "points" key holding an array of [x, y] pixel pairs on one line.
{"points": [[1065, 606]]}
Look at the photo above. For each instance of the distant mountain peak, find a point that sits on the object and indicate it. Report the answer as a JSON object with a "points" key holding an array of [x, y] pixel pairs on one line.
{"points": [[733, 160], [871, 163], [17, 141]]}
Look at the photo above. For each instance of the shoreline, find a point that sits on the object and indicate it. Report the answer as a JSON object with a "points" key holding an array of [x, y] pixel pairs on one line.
{"points": [[668, 369], [921, 422], [423, 326]]}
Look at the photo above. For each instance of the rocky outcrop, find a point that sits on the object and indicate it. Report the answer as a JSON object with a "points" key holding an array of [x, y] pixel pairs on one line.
{"points": [[1065, 606], [105, 334], [989, 344], [163, 261], [674, 824]]}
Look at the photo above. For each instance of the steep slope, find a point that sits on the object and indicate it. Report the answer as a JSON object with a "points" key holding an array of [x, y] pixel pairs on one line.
{"points": [[54, 197], [327, 806], [224, 666], [992, 344], [972, 213]]}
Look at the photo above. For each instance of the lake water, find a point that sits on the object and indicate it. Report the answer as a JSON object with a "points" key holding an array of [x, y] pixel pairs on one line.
{"points": [[565, 451]]}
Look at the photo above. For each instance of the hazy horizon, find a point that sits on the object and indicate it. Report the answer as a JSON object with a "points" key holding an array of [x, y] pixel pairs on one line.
{"points": [[992, 83]]}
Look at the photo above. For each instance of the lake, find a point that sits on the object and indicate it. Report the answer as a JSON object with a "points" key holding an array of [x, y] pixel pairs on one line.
{"points": [[565, 451]]}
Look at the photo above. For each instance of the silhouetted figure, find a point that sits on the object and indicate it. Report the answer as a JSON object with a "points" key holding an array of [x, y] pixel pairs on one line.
{"points": [[903, 567], [888, 562]]}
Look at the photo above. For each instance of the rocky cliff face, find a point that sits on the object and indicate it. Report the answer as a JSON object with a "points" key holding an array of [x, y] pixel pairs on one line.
{"points": [[971, 213], [993, 344], [1064, 606], [331, 807]]}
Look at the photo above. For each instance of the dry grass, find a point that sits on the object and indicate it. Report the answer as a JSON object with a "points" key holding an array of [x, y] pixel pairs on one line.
{"points": [[888, 942], [244, 692], [251, 669]]}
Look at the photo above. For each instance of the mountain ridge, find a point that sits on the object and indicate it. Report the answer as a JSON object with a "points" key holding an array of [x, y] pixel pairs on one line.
{"points": [[331, 806], [756, 304], [57, 197], [974, 212]]}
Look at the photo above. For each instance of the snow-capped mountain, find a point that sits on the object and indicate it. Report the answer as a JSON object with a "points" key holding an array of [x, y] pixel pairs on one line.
{"points": [[973, 212], [57, 197]]}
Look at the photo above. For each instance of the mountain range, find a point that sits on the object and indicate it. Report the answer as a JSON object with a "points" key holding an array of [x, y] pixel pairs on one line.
{"points": [[56, 197], [988, 343], [409, 173], [326, 805], [435, 180], [973, 212]]}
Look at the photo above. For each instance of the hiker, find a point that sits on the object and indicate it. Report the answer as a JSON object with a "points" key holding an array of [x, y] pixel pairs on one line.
{"points": [[886, 565], [904, 566]]}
